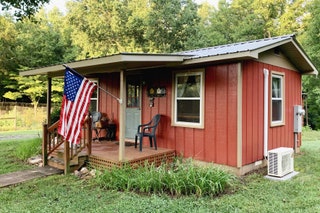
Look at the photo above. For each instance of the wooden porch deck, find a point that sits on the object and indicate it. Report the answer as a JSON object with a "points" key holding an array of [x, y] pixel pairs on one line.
{"points": [[105, 154]]}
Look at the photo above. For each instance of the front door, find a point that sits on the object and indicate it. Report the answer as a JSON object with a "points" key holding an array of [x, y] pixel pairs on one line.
{"points": [[133, 108]]}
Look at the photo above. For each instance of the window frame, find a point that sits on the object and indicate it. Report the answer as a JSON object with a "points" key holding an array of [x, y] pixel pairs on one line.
{"points": [[96, 81], [201, 98], [280, 76]]}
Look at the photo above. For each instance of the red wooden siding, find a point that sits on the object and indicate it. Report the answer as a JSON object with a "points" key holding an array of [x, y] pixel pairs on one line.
{"points": [[252, 109], [107, 103], [221, 114], [217, 142]]}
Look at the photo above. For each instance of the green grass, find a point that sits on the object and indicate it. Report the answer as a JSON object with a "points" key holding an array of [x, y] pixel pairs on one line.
{"points": [[251, 193], [9, 161], [28, 148]]}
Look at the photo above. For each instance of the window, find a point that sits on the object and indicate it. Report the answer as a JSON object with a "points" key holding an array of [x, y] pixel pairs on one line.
{"points": [[133, 94], [94, 98], [188, 99], [277, 99]]}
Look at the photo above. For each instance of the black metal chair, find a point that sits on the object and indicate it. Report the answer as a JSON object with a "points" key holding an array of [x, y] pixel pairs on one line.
{"points": [[148, 130]]}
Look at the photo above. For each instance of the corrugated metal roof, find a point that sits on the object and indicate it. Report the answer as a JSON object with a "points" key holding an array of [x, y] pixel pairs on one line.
{"points": [[235, 47]]}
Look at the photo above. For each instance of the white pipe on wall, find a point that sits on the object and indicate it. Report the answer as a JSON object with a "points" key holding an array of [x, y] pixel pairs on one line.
{"points": [[265, 114]]}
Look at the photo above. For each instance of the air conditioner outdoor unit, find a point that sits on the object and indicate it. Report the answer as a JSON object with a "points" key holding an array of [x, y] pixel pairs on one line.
{"points": [[280, 161]]}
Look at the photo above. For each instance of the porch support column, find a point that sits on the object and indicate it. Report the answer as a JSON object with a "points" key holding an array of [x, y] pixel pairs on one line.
{"points": [[122, 116], [49, 101]]}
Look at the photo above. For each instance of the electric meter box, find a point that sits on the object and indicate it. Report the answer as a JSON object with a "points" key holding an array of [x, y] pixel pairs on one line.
{"points": [[298, 116]]}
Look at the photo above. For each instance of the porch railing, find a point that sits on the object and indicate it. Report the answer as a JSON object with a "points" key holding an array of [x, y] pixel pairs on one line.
{"points": [[52, 142]]}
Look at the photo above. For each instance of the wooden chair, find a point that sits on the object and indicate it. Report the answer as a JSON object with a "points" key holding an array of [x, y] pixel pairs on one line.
{"points": [[148, 130]]}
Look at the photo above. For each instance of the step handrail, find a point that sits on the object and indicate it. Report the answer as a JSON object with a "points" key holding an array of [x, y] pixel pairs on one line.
{"points": [[53, 141]]}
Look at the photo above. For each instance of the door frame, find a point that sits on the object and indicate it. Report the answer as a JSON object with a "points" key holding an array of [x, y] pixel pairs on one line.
{"points": [[136, 80]]}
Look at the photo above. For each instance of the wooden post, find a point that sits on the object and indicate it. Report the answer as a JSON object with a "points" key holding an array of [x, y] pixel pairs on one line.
{"points": [[122, 117], [45, 144], [15, 117], [89, 136], [49, 101], [66, 157]]}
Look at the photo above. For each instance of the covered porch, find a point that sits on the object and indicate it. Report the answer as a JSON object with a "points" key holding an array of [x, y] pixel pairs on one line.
{"points": [[117, 76], [112, 73], [101, 154]]}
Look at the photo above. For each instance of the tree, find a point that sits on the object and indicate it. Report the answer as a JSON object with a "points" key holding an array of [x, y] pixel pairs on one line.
{"points": [[8, 63], [39, 42], [172, 25], [234, 21], [294, 18], [33, 87], [270, 12], [311, 41], [22, 8]]}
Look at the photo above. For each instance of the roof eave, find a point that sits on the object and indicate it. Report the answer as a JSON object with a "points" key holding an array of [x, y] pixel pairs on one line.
{"points": [[218, 58], [122, 61]]}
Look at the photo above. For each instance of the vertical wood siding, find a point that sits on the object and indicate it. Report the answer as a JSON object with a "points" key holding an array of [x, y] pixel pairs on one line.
{"points": [[217, 142], [107, 103], [252, 123]]}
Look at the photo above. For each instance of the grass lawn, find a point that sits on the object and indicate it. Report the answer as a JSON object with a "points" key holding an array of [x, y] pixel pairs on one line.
{"points": [[252, 193], [9, 162]]}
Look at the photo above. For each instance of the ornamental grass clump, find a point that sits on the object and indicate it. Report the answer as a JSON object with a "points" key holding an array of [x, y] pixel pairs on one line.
{"points": [[28, 148], [176, 179]]}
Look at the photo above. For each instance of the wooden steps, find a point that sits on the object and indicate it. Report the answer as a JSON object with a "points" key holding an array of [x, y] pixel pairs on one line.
{"points": [[56, 161]]}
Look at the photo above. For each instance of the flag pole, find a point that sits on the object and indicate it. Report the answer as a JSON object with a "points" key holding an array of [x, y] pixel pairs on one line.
{"points": [[115, 97]]}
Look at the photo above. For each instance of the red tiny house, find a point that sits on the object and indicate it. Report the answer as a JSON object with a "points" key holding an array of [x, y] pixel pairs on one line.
{"points": [[224, 122]]}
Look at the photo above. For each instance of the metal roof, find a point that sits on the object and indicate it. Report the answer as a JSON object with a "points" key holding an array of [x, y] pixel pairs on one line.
{"points": [[251, 49], [235, 47], [236, 51]]}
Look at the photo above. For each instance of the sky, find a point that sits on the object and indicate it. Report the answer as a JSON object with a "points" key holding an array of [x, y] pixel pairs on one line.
{"points": [[61, 4]]}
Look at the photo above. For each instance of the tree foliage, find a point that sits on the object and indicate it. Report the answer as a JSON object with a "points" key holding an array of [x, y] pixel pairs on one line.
{"points": [[8, 63], [311, 85]]}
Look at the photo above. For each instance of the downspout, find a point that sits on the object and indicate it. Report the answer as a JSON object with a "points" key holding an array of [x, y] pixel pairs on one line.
{"points": [[265, 115]]}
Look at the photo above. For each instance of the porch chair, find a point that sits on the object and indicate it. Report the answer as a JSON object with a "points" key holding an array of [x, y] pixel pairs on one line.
{"points": [[148, 130], [96, 116]]}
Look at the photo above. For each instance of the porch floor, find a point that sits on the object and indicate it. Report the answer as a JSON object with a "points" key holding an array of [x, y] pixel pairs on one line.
{"points": [[105, 154]]}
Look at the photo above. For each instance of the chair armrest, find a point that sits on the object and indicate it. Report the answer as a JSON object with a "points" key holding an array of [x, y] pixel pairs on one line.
{"points": [[149, 127], [142, 125]]}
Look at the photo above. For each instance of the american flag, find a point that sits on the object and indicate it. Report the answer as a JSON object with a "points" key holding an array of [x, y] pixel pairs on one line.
{"points": [[75, 105]]}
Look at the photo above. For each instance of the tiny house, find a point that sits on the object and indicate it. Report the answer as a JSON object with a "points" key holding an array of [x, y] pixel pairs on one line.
{"points": [[226, 104]]}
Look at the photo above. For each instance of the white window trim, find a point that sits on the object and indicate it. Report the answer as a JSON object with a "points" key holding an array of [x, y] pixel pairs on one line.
{"points": [[174, 121], [281, 76], [96, 81]]}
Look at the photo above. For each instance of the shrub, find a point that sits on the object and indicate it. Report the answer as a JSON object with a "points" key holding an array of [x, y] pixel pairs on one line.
{"points": [[28, 148], [55, 114], [179, 178]]}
